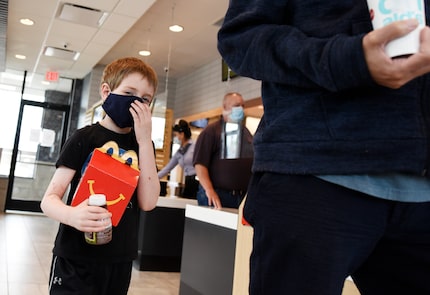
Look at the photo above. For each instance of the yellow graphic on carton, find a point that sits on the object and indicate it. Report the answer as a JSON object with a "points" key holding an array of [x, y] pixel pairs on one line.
{"points": [[109, 203]]}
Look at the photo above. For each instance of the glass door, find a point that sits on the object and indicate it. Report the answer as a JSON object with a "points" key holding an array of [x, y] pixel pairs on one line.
{"points": [[40, 134]]}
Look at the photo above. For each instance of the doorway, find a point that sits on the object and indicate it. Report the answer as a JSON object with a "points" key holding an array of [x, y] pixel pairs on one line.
{"points": [[40, 134]]}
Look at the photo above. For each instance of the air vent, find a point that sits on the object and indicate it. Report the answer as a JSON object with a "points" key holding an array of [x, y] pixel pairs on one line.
{"points": [[61, 53], [82, 15]]}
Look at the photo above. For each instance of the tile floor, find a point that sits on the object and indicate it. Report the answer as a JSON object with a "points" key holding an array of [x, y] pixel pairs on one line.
{"points": [[26, 241]]}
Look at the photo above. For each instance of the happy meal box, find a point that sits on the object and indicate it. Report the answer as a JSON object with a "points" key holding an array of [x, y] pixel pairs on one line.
{"points": [[113, 172]]}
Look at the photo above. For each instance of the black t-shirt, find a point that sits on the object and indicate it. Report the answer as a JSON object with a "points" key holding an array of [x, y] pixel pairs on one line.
{"points": [[70, 242], [228, 174]]}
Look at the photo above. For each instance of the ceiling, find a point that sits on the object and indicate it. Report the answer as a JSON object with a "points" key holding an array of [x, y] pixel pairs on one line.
{"points": [[129, 26]]}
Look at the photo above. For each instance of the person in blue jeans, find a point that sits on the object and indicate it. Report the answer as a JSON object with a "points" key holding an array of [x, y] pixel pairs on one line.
{"points": [[223, 157], [340, 183]]}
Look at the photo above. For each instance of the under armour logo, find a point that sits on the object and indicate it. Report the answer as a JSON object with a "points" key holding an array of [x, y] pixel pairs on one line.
{"points": [[57, 280]]}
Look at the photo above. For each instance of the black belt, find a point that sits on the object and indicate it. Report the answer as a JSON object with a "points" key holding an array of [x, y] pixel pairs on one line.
{"points": [[234, 192]]}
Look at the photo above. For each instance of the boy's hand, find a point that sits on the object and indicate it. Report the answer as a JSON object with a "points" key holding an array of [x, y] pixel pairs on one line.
{"points": [[142, 118], [394, 73], [87, 218]]}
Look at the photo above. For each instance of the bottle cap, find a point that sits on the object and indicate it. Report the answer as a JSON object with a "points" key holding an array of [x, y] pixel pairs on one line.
{"points": [[97, 200]]}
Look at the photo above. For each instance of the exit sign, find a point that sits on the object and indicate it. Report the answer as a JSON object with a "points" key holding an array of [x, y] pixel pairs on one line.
{"points": [[52, 76]]}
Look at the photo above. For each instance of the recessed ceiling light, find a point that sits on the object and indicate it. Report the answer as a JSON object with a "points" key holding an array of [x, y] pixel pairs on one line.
{"points": [[26, 21], [45, 82], [20, 56], [145, 52], [176, 28]]}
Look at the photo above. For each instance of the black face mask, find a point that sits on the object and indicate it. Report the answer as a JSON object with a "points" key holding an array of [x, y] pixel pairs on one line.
{"points": [[117, 107]]}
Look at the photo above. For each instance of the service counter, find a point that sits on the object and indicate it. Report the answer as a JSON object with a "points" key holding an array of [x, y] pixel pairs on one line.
{"points": [[208, 253], [215, 253], [161, 233], [210, 247]]}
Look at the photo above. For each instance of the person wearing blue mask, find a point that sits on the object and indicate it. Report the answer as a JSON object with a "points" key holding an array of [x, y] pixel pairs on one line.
{"points": [[127, 88], [183, 157], [223, 157]]}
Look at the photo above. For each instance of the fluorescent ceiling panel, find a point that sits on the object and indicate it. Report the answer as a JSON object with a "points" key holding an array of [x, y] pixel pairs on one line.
{"points": [[61, 53]]}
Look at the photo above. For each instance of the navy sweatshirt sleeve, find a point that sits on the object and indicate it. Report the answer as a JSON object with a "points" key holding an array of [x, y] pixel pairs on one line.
{"points": [[301, 43]]}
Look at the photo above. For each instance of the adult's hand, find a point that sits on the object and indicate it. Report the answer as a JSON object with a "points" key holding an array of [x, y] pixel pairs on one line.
{"points": [[395, 72], [213, 199], [206, 182]]}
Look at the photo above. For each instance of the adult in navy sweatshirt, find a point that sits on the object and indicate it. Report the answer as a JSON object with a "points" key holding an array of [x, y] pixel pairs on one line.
{"points": [[341, 182]]}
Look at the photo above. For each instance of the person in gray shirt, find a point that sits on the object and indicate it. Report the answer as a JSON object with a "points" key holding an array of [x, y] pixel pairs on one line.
{"points": [[183, 157]]}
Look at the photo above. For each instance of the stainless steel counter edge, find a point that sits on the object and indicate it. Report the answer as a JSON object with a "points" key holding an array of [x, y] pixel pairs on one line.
{"points": [[225, 217]]}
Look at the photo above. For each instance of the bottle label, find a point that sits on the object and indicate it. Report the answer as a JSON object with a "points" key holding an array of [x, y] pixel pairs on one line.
{"points": [[105, 236], [99, 238]]}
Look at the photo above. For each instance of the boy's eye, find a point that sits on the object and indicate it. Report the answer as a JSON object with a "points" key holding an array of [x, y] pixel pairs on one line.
{"points": [[146, 100]]}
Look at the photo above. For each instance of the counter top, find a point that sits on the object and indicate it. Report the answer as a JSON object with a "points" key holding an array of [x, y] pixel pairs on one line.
{"points": [[175, 202], [225, 217]]}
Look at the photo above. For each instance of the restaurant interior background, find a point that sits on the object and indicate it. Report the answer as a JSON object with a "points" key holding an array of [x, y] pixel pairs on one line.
{"points": [[50, 72], [52, 54]]}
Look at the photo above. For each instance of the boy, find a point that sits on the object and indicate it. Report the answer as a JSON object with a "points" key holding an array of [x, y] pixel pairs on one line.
{"points": [[127, 89]]}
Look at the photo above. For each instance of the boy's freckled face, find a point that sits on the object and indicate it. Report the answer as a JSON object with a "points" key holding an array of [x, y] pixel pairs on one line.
{"points": [[137, 85]]}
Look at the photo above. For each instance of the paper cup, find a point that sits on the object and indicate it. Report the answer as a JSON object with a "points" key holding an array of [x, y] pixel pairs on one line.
{"points": [[172, 187], [384, 12]]}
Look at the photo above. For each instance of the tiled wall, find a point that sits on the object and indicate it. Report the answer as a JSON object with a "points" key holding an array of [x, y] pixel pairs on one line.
{"points": [[90, 93], [96, 76], [203, 90]]}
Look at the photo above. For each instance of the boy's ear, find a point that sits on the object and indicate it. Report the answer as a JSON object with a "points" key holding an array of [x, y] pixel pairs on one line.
{"points": [[104, 91]]}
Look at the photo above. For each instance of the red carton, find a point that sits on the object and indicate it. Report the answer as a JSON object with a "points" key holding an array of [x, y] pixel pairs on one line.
{"points": [[111, 174]]}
